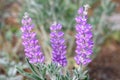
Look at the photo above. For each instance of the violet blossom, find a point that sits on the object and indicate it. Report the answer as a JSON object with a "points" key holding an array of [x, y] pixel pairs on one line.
{"points": [[30, 43], [58, 45], [84, 42]]}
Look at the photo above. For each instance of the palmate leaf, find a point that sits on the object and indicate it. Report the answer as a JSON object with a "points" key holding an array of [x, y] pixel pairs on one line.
{"points": [[40, 72], [30, 75], [53, 68], [31, 67], [42, 69], [80, 74], [65, 78]]}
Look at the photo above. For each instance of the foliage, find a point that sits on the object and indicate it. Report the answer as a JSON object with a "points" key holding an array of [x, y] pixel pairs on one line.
{"points": [[53, 72], [101, 27], [8, 67]]}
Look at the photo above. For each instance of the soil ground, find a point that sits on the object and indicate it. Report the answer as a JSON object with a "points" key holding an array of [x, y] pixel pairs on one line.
{"points": [[106, 66]]}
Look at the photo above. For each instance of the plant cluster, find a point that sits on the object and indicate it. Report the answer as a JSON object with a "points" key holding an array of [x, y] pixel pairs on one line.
{"points": [[56, 69], [63, 11]]}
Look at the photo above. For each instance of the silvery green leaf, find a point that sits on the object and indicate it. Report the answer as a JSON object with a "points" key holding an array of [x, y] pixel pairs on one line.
{"points": [[12, 71], [30, 75], [85, 72], [4, 61], [31, 67], [19, 77], [42, 70]]}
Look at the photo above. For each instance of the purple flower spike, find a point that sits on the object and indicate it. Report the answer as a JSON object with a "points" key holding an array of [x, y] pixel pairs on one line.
{"points": [[30, 43], [83, 37], [58, 45]]}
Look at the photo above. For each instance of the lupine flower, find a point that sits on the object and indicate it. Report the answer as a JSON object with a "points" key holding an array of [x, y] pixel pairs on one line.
{"points": [[30, 43], [84, 42], [58, 45]]}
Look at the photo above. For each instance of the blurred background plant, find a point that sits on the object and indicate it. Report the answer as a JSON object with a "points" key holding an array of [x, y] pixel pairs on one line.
{"points": [[103, 17]]}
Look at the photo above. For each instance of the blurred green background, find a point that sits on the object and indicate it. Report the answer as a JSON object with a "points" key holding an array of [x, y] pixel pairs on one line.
{"points": [[104, 15]]}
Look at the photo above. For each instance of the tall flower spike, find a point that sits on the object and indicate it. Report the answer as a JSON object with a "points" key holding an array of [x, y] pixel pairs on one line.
{"points": [[84, 42], [30, 43], [58, 45]]}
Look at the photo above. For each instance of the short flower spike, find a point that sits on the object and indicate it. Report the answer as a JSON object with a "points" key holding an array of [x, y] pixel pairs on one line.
{"points": [[30, 43], [58, 44], [84, 42]]}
